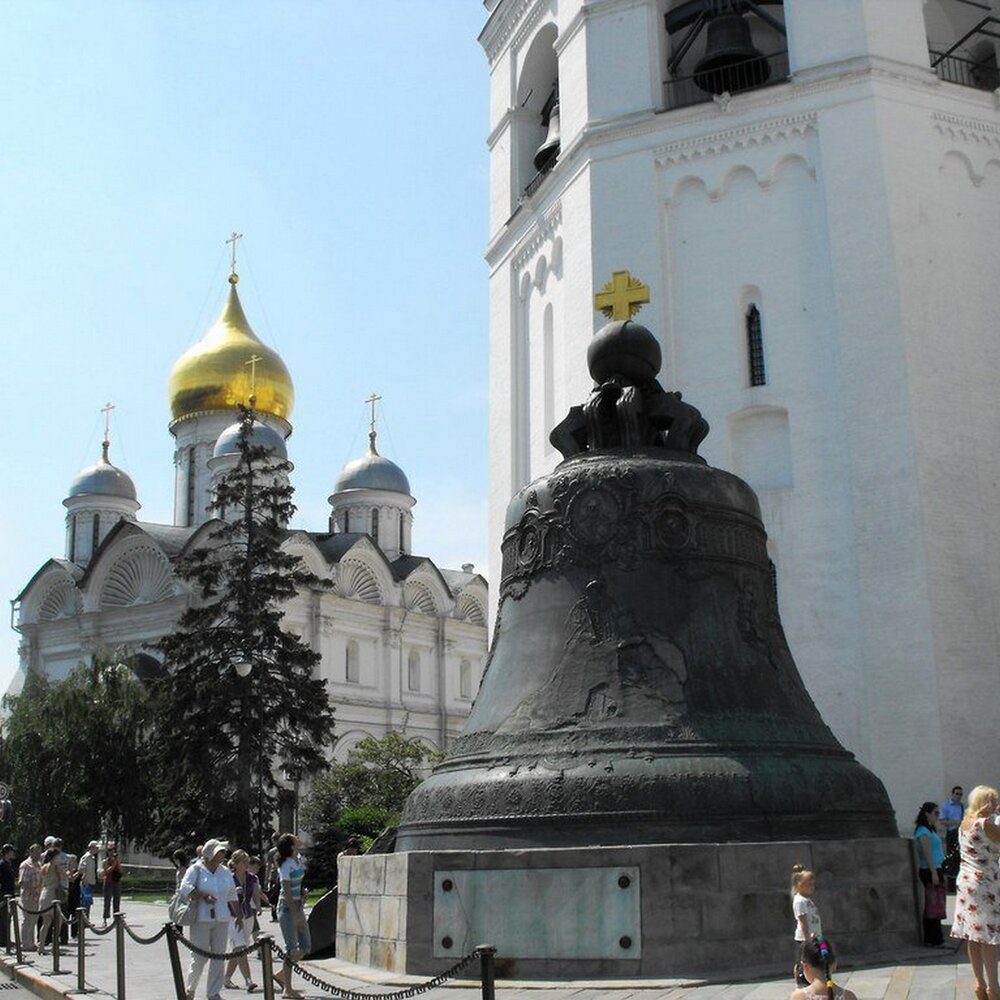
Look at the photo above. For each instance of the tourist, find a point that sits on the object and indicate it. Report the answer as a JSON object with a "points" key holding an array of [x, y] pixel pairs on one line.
{"points": [[210, 883], [8, 889], [240, 925], [291, 909], [29, 875], [950, 816], [806, 913], [181, 864], [977, 904], [112, 875], [257, 901], [51, 878], [818, 964], [930, 853], [87, 869]]}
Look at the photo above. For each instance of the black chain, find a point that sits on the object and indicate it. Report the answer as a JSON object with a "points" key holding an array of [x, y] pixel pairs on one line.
{"points": [[37, 913], [99, 931], [238, 953], [411, 991], [141, 940]]}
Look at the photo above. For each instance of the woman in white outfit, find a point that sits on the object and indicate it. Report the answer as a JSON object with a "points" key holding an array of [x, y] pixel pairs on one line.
{"points": [[209, 882]]}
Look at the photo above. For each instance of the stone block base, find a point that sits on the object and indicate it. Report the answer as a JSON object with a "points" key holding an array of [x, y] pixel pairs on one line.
{"points": [[623, 912]]}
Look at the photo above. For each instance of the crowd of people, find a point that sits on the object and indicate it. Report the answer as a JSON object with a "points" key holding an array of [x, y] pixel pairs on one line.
{"points": [[966, 860], [230, 893]]}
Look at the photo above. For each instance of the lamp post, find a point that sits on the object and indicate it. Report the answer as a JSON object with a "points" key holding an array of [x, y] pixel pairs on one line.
{"points": [[243, 669]]}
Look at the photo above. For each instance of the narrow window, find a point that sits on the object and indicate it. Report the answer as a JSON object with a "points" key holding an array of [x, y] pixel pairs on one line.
{"points": [[72, 538], [413, 671], [465, 679], [755, 347], [375, 526], [190, 487], [347, 521], [95, 537], [352, 669], [402, 549]]}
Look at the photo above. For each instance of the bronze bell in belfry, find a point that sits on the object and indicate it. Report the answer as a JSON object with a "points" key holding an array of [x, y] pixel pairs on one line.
{"points": [[731, 62], [639, 688], [548, 152]]}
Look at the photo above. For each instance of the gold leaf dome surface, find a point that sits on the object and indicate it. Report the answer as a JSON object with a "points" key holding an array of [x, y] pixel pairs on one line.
{"points": [[214, 375]]}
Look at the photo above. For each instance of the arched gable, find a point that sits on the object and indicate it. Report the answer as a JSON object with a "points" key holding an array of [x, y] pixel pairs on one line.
{"points": [[301, 544], [364, 575], [471, 602], [425, 590], [130, 570], [52, 593]]}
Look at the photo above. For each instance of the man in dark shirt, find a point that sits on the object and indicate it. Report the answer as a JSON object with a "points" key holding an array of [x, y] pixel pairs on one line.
{"points": [[8, 887]]}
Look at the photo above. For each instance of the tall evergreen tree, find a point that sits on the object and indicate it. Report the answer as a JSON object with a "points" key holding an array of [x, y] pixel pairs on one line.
{"points": [[221, 735]]}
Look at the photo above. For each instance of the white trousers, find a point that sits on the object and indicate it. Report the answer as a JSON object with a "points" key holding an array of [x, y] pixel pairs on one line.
{"points": [[212, 937]]}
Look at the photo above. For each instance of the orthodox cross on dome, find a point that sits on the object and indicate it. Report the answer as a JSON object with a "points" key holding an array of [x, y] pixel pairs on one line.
{"points": [[106, 410], [255, 359], [372, 400], [622, 297], [233, 276]]}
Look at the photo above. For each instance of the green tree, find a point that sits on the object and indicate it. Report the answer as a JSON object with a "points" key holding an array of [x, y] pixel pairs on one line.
{"points": [[74, 754], [221, 735], [361, 797]]}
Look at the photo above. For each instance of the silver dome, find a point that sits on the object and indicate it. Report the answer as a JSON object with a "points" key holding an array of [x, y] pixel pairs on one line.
{"points": [[262, 436], [372, 472], [103, 479]]}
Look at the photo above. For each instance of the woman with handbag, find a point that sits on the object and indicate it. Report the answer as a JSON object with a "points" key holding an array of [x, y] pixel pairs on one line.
{"points": [[930, 853], [977, 900]]}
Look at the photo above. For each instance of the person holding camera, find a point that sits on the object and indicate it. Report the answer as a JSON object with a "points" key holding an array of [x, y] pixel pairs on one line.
{"points": [[112, 874]]}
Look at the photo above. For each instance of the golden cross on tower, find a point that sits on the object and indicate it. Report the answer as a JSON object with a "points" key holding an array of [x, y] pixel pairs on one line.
{"points": [[106, 410], [255, 360], [622, 297], [372, 400], [233, 276]]}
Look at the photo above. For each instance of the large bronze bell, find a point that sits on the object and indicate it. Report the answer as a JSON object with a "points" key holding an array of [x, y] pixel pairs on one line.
{"points": [[548, 152], [731, 62], [639, 688]]}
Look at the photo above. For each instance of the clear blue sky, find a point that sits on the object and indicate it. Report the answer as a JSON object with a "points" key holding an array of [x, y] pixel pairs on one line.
{"points": [[346, 140]]}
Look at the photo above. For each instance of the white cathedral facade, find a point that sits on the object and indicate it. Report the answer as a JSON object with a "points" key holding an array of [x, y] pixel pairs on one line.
{"points": [[817, 223], [403, 642]]}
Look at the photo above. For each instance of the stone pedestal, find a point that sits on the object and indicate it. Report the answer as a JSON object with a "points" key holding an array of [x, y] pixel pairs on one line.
{"points": [[621, 911]]}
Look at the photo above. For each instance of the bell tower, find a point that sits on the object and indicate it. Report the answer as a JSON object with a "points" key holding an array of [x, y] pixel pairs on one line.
{"points": [[810, 192]]}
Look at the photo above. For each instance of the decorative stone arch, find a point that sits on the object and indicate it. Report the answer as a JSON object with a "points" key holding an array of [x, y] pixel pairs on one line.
{"points": [[358, 581], [470, 607], [302, 546], [426, 592], [61, 600], [417, 596], [52, 594], [140, 575], [347, 742], [538, 71]]}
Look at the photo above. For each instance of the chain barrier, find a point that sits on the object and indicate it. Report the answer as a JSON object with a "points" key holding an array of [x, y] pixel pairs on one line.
{"points": [[266, 945], [411, 991]]}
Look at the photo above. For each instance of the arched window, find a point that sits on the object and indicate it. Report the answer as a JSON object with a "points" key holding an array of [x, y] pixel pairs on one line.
{"points": [[189, 501], [465, 679], [95, 536], [413, 671], [755, 347], [352, 665], [347, 521], [72, 538], [375, 525], [402, 547]]}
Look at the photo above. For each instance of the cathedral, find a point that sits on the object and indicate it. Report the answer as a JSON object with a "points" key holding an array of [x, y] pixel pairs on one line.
{"points": [[804, 199], [402, 640]]}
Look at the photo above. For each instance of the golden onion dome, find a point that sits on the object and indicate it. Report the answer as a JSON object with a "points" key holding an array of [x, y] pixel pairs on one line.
{"points": [[214, 374]]}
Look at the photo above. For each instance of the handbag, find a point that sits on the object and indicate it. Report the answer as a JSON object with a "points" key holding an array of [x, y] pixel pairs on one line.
{"points": [[935, 902], [183, 910]]}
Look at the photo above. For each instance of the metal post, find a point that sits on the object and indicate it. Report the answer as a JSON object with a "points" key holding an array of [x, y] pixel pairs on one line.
{"points": [[18, 950], [57, 918], [81, 923], [487, 970], [266, 967], [175, 962], [120, 954]]}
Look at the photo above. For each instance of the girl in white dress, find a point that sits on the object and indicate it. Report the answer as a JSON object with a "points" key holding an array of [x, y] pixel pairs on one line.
{"points": [[806, 913]]}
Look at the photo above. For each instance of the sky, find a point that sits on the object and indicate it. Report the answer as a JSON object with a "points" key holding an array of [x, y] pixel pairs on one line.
{"points": [[345, 141]]}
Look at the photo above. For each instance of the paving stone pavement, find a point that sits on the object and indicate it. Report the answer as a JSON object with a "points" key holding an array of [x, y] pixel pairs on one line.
{"points": [[920, 975]]}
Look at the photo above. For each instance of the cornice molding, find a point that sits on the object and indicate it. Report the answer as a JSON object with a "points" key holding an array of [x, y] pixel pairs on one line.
{"points": [[543, 230], [760, 133], [972, 131], [511, 24]]}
